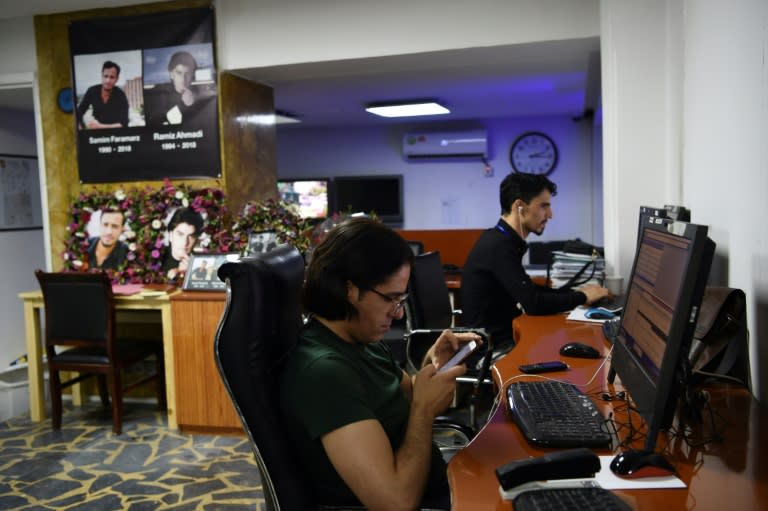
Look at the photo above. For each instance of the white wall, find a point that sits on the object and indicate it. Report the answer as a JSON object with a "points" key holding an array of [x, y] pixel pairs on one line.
{"points": [[275, 32], [21, 252], [452, 194], [725, 151]]}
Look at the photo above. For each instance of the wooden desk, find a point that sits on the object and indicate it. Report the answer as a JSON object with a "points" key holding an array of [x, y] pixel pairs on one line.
{"points": [[732, 474], [33, 305]]}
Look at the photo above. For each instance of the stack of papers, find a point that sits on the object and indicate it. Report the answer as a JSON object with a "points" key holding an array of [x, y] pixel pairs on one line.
{"points": [[565, 265]]}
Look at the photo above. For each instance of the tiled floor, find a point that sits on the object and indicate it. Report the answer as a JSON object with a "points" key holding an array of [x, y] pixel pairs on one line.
{"points": [[146, 468]]}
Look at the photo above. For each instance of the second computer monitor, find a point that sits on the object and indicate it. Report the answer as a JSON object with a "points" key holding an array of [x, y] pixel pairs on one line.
{"points": [[664, 293]]}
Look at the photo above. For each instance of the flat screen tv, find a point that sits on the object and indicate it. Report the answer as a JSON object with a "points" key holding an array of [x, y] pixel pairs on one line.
{"points": [[309, 195], [381, 195], [664, 293]]}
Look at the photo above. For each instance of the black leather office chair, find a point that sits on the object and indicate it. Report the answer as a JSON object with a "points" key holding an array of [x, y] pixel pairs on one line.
{"points": [[430, 312], [80, 317], [258, 329]]}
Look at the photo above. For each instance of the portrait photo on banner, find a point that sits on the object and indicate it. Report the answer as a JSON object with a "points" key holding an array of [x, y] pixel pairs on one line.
{"points": [[202, 275], [145, 96]]}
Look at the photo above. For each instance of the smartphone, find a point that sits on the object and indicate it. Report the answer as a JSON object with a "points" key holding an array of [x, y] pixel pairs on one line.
{"points": [[460, 356], [543, 367]]}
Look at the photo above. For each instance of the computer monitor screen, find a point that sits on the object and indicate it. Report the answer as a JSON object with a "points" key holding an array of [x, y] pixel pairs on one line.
{"points": [[664, 293], [381, 195], [309, 195]]}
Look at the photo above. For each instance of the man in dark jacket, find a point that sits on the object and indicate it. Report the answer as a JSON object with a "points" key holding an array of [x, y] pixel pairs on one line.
{"points": [[495, 287]]}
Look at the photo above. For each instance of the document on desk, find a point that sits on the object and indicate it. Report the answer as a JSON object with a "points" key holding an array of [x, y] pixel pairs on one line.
{"points": [[610, 481], [126, 289], [578, 314], [605, 479]]}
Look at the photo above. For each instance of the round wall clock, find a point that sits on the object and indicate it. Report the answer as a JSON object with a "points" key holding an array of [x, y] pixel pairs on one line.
{"points": [[533, 153]]}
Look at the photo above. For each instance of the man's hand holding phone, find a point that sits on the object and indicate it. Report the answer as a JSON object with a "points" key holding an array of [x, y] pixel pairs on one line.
{"points": [[460, 356]]}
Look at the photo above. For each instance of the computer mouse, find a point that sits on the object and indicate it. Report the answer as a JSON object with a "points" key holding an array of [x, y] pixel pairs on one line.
{"points": [[637, 464], [579, 350], [599, 313]]}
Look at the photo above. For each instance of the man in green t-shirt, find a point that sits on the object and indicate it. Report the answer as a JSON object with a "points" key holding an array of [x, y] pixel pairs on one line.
{"points": [[362, 426]]}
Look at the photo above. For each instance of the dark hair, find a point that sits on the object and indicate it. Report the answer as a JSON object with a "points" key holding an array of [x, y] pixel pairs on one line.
{"points": [[108, 209], [109, 64], [186, 216], [184, 58], [519, 185], [359, 250]]}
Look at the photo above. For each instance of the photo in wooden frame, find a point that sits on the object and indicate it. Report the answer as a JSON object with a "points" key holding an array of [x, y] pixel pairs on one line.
{"points": [[260, 242], [202, 276]]}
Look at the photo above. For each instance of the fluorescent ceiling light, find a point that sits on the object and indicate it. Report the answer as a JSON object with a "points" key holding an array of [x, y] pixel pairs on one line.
{"points": [[410, 109], [285, 118]]}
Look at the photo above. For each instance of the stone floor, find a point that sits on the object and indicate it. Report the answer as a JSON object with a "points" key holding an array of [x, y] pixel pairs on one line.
{"points": [[84, 466]]}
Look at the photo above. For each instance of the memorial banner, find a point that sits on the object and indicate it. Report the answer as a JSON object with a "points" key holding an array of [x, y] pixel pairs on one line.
{"points": [[146, 97]]}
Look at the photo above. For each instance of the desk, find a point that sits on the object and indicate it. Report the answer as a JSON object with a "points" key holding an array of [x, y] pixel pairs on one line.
{"points": [[33, 304], [732, 474]]}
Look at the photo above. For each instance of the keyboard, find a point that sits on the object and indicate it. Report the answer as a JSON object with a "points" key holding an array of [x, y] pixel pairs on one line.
{"points": [[568, 499], [556, 414]]}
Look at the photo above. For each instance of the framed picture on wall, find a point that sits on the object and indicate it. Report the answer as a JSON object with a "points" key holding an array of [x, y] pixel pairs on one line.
{"points": [[201, 275], [260, 242]]}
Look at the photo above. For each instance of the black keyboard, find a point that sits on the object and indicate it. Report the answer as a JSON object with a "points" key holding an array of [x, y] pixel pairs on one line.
{"points": [[614, 304], [556, 414], [569, 499]]}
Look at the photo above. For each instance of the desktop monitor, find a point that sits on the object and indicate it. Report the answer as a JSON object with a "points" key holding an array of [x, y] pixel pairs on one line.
{"points": [[381, 195], [309, 195], [664, 293]]}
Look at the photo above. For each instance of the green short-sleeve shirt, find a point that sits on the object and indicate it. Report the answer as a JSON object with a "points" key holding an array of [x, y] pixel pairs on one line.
{"points": [[329, 383]]}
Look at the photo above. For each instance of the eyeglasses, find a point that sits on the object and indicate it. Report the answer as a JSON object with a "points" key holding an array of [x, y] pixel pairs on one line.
{"points": [[398, 301]]}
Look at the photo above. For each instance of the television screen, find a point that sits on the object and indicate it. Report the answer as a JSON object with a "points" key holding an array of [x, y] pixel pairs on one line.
{"points": [[668, 278], [380, 195], [309, 195]]}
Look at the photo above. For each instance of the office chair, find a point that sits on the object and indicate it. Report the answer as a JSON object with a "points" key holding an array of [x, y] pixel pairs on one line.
{"points": [[430, 312], [258, 330], [80, 317]]}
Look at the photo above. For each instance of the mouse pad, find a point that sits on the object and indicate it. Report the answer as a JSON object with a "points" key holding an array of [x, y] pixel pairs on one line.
{"points": [[610, 481], [577, 314]]}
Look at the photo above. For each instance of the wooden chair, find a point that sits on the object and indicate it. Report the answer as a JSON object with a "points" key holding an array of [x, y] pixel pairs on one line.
{"points": [[80, 338]]}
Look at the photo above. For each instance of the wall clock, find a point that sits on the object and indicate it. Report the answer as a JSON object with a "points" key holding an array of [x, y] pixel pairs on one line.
{"points": [[534, 153], [64, 100]]}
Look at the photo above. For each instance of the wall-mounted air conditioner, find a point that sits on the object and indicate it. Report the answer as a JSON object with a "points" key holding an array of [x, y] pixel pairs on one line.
{"points": [[456, 144]]}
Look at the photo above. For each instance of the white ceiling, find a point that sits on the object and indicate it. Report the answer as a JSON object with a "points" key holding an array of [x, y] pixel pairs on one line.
{"points": [[543, 78]]}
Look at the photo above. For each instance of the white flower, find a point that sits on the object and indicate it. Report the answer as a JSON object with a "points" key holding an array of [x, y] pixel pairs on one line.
{"points": [[156, 224], [80, 234], [179, 194], [120, 194], [66, 256], [77, 263], [185, 202], [172, 273], [132, 247], [205, 242], [129, 235]]}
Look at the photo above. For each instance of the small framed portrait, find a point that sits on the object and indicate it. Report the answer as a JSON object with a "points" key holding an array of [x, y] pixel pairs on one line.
{"points": [[260, 242], [201, 275]]}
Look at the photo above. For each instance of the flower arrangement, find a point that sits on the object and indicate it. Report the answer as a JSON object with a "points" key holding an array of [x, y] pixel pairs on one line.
{"points": [[146, 215], [271, 215]]}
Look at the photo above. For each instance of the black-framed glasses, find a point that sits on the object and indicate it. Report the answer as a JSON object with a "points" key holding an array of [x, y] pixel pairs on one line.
{"points": [[397, 301]]}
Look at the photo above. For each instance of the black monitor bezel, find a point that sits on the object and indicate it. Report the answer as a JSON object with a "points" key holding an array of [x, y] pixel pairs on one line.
{"points": [[391, 219], [328, 187], [656, 401]]}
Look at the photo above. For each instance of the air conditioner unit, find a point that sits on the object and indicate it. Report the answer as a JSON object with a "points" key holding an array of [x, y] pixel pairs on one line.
{"points": [[457, 144]]}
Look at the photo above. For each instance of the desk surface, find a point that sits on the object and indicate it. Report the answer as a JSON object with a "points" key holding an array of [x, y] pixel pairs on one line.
{"points": [[732, 474]]}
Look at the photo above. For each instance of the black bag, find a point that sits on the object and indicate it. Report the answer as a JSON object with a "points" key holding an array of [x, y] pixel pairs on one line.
{"points": [[721, 341]]}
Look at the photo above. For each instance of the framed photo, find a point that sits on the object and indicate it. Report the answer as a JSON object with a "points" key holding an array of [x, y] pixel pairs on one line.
{"points": [[260, 242], [201, 275]]}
